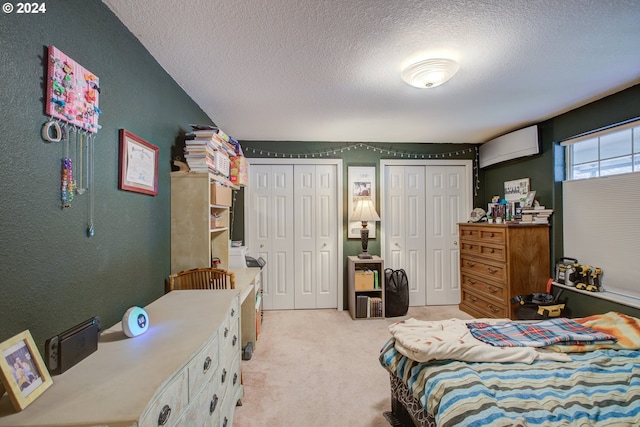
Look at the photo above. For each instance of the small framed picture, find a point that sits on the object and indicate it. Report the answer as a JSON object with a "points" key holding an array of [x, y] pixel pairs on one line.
{"points": [[138, 164], [528, 202], [22, 371]]}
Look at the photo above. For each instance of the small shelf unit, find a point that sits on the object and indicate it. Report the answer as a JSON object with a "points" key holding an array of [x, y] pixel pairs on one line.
{"points": [[366, 287]]}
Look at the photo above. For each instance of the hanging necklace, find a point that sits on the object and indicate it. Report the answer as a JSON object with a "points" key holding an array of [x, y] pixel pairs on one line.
{"points": [[90, 182], [79, 163], [66, 174]]}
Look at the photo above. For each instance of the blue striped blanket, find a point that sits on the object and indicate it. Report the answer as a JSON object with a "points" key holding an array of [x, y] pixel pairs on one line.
{"points": [[597, 388]]}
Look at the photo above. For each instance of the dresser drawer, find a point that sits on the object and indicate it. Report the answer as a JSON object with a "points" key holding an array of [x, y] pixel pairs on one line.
{"points": [[169, 404], [485, 250], [203, 366], [493, 290], [485, 306], [487, 234], [493, 271], [206, 409]]}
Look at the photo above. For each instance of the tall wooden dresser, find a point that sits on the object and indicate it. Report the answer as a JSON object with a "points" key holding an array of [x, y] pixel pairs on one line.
{"points": [[499, 262]]}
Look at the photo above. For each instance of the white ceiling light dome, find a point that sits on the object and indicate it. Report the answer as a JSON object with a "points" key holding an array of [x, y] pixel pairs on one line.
{"points": [[430, 72]]}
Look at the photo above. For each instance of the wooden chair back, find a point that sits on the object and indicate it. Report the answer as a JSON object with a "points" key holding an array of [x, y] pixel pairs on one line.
{"points": [[202, 278]]}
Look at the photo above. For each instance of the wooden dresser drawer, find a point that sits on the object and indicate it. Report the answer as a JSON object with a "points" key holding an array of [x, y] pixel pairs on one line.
{"points": [[487, 307], [493, 271], [169, 404], [493, 290], [485, 250], [493, 235]]}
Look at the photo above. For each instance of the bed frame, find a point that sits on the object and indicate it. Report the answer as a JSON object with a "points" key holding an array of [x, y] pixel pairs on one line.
{"points": [[406, 410]]}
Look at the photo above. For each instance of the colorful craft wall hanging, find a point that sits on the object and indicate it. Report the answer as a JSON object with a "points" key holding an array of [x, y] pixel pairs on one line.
{"points": [[72, 92]]}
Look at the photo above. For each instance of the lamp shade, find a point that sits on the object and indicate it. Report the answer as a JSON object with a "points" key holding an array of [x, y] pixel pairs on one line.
{"points": [[364, 211]]}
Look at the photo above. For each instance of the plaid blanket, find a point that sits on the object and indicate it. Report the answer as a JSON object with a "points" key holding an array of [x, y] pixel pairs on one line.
{"points": [[541, 334]]}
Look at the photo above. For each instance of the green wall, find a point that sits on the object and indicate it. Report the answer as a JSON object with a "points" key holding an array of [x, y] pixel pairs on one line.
{"points": [[547, 170], [52, 276]]}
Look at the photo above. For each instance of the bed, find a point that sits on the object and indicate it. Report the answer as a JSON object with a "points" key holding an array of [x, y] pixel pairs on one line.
{"points": [[443, 374]]}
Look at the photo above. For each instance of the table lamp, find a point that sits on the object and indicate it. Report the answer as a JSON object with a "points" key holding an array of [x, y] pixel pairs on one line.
{"points": [[364, 212]]}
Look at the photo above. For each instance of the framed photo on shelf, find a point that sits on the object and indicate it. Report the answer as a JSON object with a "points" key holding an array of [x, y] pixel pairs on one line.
{"points": [[138, 164], [22, 371], [362, 184]]}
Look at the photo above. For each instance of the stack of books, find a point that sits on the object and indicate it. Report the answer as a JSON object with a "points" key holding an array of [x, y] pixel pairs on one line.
{"points": [[538, 215], [208, 150], [368, 306]]}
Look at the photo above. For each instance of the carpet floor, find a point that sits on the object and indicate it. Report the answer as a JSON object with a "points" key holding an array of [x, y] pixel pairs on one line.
{"points": [[320, 368]]}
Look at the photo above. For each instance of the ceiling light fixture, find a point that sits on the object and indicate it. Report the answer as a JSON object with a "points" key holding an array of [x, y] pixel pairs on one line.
{"points": [[430, 72]]}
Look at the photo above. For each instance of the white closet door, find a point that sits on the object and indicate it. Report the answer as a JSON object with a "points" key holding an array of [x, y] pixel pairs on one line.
{"points": [[315, 238], [423, 202], [447, 192], [405, 219], [272, 232]]}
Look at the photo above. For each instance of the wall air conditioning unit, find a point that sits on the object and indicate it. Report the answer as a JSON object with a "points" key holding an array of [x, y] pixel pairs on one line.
{"points": [[520, 143]]}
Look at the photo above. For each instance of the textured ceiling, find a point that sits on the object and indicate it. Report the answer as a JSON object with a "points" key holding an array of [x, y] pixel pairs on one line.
{"points": [[329, 70]]}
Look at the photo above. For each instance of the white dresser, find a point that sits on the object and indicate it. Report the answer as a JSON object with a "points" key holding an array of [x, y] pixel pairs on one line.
{"points": [[184, 371]]}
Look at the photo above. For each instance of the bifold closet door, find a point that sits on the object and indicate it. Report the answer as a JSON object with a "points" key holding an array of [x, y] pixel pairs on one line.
{"points": [[422, 206], [315, 236], [271, 231], [404, 226], [293, 225], [447, 192]]}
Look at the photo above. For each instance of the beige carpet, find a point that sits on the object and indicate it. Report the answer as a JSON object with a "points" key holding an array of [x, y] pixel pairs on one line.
{"points": [[320, 368]]}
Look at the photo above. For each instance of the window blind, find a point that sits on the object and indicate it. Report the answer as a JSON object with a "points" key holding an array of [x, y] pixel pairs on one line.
{"points": [[601, 226]]}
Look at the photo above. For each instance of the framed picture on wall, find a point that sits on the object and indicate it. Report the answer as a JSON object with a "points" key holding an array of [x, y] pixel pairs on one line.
{"points": [[138, 164], [22, 371], [362, 184]]}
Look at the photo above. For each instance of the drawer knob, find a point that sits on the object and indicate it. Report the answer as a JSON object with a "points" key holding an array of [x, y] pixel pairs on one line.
{"points": [[492, 289], [470, 264], [235, 379], [224, 376], [224, 423], [207, 364], [233, 312], [473, 299], [492, 270], [164, 415], [471, 281], [226, 332], [213, 404], [490, 234], [490, 250], [234, 340], [493, 308]]}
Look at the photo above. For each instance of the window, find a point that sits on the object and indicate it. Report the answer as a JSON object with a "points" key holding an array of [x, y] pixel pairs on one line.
{"points": [[609, 152]]}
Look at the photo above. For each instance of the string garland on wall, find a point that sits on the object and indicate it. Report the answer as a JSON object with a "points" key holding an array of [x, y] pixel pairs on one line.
{"points": [[403, 154]]}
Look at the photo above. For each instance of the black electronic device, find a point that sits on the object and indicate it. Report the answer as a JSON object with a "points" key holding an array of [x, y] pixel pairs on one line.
{"points": [[252, 262], [71, 346]]}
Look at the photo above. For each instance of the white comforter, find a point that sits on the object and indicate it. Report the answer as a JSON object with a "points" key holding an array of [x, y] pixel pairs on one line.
{"points": [[425, 341]]}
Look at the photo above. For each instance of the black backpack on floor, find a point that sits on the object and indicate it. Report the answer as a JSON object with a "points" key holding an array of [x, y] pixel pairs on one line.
{"points": [[396, 292]]}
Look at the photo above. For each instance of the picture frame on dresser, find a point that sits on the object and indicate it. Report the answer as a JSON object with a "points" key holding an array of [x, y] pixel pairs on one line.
{"points": [[23, 374]]}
